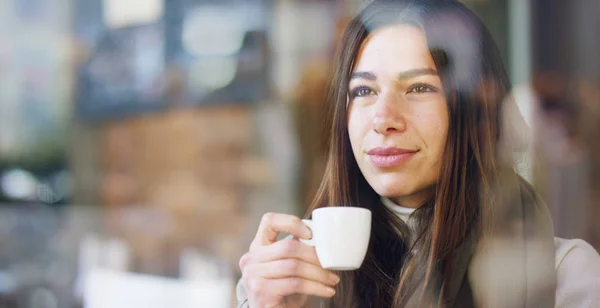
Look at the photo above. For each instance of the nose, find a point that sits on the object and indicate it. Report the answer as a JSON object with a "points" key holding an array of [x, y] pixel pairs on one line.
{"points": [[388, 117]]}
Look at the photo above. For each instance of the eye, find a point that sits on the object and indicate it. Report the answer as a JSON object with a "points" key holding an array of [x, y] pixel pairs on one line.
{"points": [[422, 88], [361, 92]]}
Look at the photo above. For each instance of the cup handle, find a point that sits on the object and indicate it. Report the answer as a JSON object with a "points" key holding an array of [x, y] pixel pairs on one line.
{"points": [[309, 224]]}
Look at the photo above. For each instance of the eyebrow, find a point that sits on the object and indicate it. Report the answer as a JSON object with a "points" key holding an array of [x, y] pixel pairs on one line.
{"points": [[402, 76]]}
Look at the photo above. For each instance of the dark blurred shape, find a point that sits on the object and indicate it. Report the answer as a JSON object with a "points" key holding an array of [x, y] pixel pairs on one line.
{"points": [[124, 74], [250, 84]]}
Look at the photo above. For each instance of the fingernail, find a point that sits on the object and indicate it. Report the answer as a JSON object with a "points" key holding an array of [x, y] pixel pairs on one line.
{"points": [[334, 278], [307, 233], [330, 291]]}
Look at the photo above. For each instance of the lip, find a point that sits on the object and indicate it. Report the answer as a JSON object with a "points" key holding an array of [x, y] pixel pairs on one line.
{"points": [[385, 157]]}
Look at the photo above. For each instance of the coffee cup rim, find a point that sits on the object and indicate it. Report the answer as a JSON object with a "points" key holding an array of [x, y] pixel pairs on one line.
{"points": [[352, 208]]}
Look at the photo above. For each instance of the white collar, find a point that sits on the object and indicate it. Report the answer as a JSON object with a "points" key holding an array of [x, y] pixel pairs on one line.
{"points": [[398, 209]]}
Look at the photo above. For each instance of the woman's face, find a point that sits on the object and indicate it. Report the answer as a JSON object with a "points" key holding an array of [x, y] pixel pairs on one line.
{"points": [[397, 114]]}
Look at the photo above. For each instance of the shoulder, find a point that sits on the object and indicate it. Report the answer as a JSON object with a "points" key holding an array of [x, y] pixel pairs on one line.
{"points": [[577, 274], [575, 252]]}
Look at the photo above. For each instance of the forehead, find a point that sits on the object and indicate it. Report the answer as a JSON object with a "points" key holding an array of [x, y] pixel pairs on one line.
{"points": [[394, 49]]}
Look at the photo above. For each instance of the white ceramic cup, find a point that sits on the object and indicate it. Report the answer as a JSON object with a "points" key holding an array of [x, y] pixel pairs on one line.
{"points": [[340, 236]]}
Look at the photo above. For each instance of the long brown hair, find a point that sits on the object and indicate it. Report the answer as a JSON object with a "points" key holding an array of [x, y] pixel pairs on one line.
{"points": [[475, 82]]}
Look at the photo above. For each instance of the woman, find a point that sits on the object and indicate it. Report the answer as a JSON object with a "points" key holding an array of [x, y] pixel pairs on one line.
{"points": [[416, 137]]}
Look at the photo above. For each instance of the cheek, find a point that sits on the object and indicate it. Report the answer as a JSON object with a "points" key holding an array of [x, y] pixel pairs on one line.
{"points": [[441, 128], [434, 127], [356, 129]]}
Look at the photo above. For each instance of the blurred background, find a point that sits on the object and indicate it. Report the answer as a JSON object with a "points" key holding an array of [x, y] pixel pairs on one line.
{"points": [[142, 140]]}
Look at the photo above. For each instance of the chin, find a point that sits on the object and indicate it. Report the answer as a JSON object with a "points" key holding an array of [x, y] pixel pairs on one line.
{"points": [[392, 186], [392, 192]]}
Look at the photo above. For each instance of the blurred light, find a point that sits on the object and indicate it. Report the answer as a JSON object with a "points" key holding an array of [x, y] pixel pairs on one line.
{"points": [[114, 289], [213, 31], [121, 13], [195, 266], [19, 184], [212, 73]]}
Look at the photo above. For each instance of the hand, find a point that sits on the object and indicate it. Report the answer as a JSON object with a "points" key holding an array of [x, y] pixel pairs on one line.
{"points": [[282, 273]]}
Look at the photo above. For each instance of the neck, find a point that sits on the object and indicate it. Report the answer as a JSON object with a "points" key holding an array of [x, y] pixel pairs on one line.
{"points": [[414, 200]]}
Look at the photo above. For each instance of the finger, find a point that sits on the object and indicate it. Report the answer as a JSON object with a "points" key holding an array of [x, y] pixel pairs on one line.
{"points": [[261, 288], [290, 268], [289, 286], [285, 249], [245, 260], [274, 223]]}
